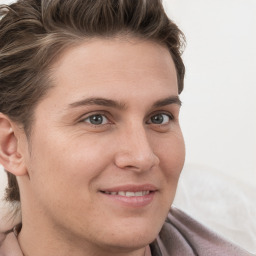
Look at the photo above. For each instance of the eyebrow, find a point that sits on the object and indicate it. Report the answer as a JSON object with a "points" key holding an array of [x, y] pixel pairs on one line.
{"points": [[98, 101], [168, 101], [119, 105]]}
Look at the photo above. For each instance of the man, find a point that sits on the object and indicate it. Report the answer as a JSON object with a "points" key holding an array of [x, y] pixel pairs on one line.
{"points": [[90, 134]]}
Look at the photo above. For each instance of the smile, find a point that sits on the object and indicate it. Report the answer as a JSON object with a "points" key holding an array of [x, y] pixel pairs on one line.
{"points": [[128, 193]]}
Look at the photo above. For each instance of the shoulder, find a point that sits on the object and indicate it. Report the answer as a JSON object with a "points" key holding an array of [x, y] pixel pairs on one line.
{"points": [[9, 243], [183, 235]]}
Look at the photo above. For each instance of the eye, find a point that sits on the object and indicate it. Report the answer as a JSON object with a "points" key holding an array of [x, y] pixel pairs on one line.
{"points": [[96, 119], [160, 119]]}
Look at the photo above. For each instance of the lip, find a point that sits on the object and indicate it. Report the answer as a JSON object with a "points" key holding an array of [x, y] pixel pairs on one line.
{"points": [[131, 187], [132, 201]]}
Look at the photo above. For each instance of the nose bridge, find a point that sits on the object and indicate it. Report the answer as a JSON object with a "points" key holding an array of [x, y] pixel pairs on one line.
{"points": [[136, 150]]}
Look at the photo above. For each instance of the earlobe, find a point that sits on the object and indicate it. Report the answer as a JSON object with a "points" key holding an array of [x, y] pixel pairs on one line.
{"points": [[10, 157]]}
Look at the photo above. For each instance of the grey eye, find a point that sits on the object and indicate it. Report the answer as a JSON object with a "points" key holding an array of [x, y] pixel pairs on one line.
{"points": [[160, 119], [96, 119]]}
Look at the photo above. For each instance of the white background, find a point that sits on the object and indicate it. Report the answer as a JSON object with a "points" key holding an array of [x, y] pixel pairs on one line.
{"points": [[218, 116], [219, 100]]}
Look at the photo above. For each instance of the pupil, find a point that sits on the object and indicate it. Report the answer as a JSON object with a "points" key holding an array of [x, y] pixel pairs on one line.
{"points": [[96, 119], [158, 119]]}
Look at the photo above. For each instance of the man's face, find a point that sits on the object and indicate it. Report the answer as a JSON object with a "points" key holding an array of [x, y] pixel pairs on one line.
{"points": [[106, 145]]}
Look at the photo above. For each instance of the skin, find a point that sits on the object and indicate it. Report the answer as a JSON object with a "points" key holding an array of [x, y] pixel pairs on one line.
{"points": [[68, 160]]}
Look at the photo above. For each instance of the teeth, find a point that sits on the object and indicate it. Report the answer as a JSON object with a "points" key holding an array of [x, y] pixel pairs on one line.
{"points": [[138, 193], [121, 193], [129, 193]]}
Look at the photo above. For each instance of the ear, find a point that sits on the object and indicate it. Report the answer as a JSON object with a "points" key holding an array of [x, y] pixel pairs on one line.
{"points": [[10, 157]]}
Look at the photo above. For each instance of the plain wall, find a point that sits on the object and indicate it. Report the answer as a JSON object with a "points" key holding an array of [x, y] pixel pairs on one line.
{"points": [[219, 101]]}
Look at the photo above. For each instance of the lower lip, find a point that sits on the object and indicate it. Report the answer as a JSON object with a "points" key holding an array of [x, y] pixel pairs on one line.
{"points": [[132, 201]]}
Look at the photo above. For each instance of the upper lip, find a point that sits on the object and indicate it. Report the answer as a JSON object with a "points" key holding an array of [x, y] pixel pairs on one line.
{"points": [[131, 188]]}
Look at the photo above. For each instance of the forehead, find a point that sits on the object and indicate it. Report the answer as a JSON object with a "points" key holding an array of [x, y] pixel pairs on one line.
{"points": [[106, 67]]}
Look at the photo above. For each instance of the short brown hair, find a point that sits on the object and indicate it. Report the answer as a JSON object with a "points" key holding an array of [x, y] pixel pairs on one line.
{"points": [[34, 32]]}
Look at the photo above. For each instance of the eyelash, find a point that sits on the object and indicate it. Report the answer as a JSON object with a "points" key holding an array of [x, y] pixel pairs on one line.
{"points": [[170, 116], [95, 125]]}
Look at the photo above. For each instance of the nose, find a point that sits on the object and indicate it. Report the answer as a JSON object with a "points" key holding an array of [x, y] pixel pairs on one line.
{"points": [[135, 151]]}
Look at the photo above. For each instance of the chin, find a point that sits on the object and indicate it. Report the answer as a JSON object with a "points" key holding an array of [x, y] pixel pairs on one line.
{"points": [[129, 243], [133, 237]]}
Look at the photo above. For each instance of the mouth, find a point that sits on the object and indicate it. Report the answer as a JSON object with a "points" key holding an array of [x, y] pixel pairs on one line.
{"points": [[130, 195]]}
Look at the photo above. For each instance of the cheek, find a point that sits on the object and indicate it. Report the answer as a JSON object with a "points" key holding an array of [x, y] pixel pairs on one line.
{"points": [[68, 162], [62, 172], [172, 156]]}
